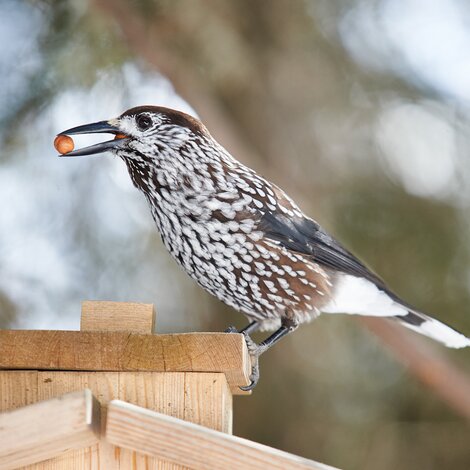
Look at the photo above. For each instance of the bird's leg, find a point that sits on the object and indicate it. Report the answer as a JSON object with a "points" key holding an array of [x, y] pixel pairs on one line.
{"points": [[256, 350], [250, 328]]}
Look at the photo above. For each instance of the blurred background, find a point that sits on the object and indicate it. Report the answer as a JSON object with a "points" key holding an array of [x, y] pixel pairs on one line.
{"points": [[359, 109]]}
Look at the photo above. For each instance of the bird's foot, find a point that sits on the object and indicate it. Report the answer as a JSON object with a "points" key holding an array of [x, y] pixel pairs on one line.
{"points": [[254, 378], [231, 329], [251, 328], [255, 351]]}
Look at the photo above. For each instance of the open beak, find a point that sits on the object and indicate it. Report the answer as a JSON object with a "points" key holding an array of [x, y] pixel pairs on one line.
{"points": [[96, 128]]}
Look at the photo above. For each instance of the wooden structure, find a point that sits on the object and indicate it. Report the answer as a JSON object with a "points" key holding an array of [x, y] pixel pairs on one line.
{"points": [[117, 396]]}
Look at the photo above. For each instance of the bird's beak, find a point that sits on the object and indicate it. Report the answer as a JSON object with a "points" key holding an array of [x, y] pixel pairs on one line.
{"points": [[96, 128]]}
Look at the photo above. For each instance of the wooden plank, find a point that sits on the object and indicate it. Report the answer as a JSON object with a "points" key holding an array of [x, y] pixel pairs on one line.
{"points": [[195, 446], [207, 401], [176, 394], [157, 391], [104, 387], [117, 316], [18, 388], [43, 430], [51, 384], [203, 398], [119, 351]]}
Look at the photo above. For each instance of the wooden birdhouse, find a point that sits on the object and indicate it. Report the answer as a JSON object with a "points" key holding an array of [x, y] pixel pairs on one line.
{"points": [[114, 395]]}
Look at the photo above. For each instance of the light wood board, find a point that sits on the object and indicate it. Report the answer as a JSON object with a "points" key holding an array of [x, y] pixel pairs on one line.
{"points": [[202, 398], [120, 351], [99, 315], [197, 447], [48, 428]]}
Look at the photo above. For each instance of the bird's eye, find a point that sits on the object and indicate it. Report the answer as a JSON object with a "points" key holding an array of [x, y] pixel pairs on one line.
{"points": [[143, 122]]}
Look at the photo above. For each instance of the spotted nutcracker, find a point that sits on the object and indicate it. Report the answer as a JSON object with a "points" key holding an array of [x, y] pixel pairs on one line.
{"points": [[241, 237]]}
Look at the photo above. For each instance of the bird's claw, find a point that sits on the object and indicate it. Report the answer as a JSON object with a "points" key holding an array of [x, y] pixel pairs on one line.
{"points": [[252, 349], [255, 350], [231, 329], [251, 345], [254, 378]]}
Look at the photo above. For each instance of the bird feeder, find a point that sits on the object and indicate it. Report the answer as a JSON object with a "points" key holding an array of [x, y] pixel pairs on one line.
{"points": [[114, 395]]}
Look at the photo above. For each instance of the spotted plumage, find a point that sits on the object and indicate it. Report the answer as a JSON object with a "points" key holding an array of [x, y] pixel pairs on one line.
{"points": [[241, 237]]}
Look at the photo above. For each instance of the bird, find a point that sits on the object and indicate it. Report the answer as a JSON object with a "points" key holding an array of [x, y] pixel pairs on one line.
{"points": [[241, 237]]}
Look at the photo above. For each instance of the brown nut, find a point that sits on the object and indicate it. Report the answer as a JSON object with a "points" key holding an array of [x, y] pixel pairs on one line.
{"points": [[63, 144]]}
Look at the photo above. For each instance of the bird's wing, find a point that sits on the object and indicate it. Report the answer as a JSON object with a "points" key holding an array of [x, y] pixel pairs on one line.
{"points": [[306, 236]]}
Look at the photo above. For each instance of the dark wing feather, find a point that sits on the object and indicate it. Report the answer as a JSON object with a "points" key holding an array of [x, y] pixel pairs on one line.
{"points": [[305, 236]]}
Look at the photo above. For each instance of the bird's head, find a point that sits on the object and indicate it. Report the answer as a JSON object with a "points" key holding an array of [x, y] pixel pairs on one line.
{"points": [[141, 130], [152, 140]]}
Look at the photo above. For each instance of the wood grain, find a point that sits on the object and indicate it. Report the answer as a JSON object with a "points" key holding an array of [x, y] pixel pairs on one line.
{"points": [[17, 389], [120, 351], [197, 447], [116, 356], [46, 429], [105, 387], [207, 401], [203, 398], [117, 316]]}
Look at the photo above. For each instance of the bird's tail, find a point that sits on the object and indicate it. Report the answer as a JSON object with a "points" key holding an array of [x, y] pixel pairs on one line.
{"points": [[359, 296], [434, 329]]}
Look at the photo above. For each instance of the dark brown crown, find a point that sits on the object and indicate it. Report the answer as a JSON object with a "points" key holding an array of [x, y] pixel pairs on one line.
{"points": [[175, 117]]}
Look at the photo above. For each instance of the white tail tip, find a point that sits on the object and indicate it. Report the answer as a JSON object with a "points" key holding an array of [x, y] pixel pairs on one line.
{"points": [[440, 332]]}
